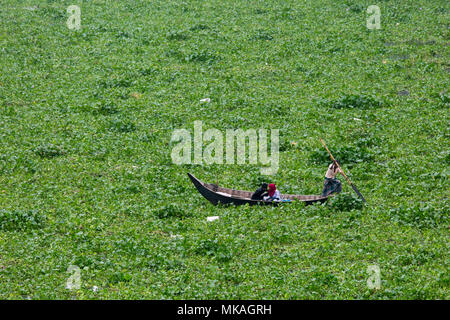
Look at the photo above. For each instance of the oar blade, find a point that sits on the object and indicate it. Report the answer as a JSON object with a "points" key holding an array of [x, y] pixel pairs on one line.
{"points": [[358, 193]]}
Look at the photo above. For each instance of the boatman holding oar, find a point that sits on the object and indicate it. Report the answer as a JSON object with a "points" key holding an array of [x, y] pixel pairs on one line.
{"points": [[331, 184]]}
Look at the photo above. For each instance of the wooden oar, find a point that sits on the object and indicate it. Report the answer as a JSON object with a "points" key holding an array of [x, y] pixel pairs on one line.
{"points": [[337, 164]]}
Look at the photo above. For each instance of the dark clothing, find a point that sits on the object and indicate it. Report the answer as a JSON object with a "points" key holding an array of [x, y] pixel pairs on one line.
{"points": [[331, 186], [259, 194]]}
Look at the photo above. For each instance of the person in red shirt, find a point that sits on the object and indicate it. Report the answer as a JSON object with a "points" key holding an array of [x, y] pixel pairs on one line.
{"points": [[274, 194]]}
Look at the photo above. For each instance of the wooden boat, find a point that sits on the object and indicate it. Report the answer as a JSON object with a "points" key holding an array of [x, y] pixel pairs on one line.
{"points": [[215, 194]]}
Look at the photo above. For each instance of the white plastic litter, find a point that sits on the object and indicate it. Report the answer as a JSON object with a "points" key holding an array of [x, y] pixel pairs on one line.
{"points": [[207, 100], [212, 218]]}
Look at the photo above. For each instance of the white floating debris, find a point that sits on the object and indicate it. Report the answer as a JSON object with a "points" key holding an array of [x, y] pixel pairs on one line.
{"points": [[357, 119], [207, 100], [95, 288], [33, 8], [212, 218], [176, 236]]}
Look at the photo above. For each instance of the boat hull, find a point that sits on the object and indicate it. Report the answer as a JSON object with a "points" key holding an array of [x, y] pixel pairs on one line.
{"points": [[216, 195]]}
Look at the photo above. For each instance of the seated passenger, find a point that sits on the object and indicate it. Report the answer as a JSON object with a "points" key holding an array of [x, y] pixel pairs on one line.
{"points": [[260, 193], [274, 194]]}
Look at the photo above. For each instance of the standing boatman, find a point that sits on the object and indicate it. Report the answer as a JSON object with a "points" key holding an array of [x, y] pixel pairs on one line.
{"points": [[331, 184]]}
